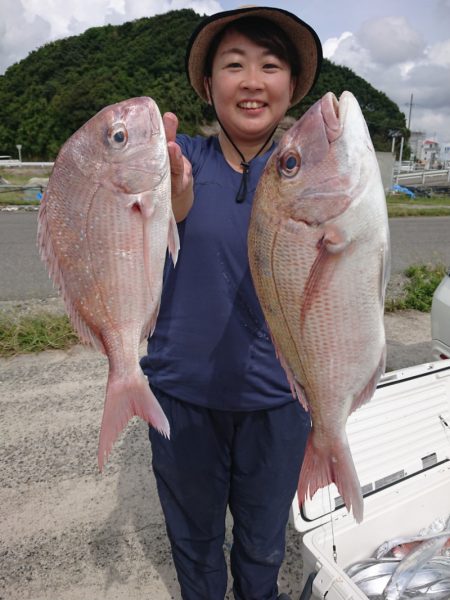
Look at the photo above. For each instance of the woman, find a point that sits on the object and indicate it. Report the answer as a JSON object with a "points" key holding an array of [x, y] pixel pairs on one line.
{"points": [[237, 435]]}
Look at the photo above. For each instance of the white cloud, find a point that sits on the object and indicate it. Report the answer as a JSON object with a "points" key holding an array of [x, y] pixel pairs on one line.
{"points": [[331, 45], [17, 34], [25, 25], [348, 51], [393, 57], [390, 40], [439, 54]]}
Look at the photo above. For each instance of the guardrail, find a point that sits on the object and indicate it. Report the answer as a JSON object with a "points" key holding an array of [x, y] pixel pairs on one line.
{"points": [[18, 163], [423, 176]]}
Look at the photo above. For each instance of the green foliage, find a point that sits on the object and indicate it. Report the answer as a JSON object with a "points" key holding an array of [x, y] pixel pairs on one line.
{"points": [[18, 191], [418, 211], [422, 281], [50, 94], [35, 333], [401, 205]]}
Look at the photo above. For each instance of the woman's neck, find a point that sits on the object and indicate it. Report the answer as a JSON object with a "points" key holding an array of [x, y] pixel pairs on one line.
{"points": [[248, 150]]}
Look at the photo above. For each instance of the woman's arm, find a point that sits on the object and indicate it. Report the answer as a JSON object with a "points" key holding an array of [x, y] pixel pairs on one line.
{"points": [[180, 171]]}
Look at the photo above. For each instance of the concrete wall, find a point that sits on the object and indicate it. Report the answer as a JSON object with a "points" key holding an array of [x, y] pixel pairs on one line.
{"points": [[386, 163]]}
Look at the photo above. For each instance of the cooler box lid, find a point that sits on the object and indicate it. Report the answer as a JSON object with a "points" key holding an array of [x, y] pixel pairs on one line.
{"points": [[403, 431]]}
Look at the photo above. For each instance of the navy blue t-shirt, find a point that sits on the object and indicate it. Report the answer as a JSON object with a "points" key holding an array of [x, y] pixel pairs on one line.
{"points": [[211, 346]]}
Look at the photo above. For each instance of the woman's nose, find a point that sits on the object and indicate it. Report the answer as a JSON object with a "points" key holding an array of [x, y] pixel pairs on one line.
{"points": [[252, 79]]}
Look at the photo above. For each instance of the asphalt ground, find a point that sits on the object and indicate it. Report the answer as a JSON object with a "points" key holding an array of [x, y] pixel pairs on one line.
{"points": [[23, 276], [70, 533]]}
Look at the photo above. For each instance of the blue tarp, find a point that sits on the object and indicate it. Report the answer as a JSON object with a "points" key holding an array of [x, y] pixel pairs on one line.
{"points": [[403, 190]]}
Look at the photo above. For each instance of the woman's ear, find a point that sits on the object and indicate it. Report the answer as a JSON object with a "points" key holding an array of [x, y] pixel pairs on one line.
{"points": [[207, 85], [292, 88]]}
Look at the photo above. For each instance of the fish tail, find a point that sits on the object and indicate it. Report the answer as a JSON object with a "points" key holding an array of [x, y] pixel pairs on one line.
{"points": [[325, 465], [126, 397]]}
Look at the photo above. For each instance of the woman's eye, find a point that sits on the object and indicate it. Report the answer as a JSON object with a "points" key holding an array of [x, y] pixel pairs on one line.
{"points": [[234, 65], [290, 163]]}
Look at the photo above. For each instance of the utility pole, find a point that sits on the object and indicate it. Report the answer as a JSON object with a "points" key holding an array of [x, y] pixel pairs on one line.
{"points": [[410, 109], [400, 160]]}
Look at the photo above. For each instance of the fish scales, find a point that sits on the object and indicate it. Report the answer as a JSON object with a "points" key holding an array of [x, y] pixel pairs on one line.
{"points": [[319, 254], [104, 226]]}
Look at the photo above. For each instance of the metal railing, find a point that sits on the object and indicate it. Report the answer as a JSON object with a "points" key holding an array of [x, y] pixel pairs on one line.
{"points": [[17, 163], [423, 177]]}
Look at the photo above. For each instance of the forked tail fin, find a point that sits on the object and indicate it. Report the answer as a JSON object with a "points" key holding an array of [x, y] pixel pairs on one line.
{"points": [[126, 397], [331, 464]]}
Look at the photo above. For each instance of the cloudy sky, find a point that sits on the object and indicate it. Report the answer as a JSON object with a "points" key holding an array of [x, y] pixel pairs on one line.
{"points": [[401, 47]]}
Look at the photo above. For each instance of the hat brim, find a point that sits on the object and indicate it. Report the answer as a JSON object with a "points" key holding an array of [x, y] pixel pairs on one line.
{"points": [[303, 38]]}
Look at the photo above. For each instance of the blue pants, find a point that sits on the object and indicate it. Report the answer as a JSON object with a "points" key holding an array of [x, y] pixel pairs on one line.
{"points": [[249, 461]]}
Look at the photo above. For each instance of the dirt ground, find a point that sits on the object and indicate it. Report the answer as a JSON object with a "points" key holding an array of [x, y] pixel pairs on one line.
{"points": [[69, 533]]}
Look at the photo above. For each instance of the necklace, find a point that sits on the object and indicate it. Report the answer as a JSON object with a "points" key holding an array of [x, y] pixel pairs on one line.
{"points": [[242, 192]]}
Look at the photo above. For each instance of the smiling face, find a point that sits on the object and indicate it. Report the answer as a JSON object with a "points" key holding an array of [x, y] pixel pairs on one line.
{"points": [[251, 88]]}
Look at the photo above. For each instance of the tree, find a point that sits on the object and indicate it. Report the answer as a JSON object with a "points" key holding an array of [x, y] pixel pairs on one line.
{"points": [[47, 96]]}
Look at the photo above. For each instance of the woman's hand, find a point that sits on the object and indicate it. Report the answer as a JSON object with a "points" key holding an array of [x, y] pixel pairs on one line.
{"points": [[180, 171]]}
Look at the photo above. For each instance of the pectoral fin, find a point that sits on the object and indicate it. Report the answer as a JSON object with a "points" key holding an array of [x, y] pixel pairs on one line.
{"points": [[173, 242], [330, 248]]}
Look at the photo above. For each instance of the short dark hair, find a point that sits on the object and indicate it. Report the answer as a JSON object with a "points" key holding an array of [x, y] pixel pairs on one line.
{"points": [[263, 32]]}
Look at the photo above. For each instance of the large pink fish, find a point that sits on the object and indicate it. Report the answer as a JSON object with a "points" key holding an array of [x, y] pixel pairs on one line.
{"points": [[319, 255], [104, 226]]}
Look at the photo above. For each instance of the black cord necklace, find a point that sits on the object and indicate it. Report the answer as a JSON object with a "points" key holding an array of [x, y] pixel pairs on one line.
{"points": [[242, 192]]}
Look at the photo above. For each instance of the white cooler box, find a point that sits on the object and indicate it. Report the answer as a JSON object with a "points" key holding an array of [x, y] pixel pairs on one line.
{"points": [[400, 443]]}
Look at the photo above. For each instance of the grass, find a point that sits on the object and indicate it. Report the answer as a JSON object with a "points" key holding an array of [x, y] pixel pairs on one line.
{"points": [[19, 177], [47, 331], [421, 282], [34, 333], [400, 205]]}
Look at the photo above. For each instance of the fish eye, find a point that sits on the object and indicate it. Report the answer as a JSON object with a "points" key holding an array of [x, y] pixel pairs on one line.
{"points": [[289, 164], [118, 135]]}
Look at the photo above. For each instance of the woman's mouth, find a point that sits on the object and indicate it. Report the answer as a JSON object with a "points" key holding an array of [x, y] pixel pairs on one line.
{"points": [[251, 104]]}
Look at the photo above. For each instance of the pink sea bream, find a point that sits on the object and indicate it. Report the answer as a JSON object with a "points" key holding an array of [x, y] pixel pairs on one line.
{"points": [[104, 227]]}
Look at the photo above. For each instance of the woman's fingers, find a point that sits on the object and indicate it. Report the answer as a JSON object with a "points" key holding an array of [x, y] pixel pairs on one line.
{"points": [[180, 170], [170, 122]]}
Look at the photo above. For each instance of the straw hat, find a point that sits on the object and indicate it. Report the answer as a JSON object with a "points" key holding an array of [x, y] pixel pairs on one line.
{"points": [[302, 36]]}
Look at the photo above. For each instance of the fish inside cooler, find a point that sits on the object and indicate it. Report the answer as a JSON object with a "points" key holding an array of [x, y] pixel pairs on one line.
{"points": [[401, 444], [408, 566]]}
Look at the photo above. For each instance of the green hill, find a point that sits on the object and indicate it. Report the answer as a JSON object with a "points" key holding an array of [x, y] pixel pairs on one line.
{"points": [[51, 93]]}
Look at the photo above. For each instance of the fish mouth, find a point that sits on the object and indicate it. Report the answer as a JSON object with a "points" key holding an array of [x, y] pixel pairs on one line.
{"points": [[335, 112], [332, 113]]}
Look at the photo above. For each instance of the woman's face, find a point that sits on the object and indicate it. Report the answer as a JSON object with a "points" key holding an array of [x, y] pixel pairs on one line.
{"points": [[251, 88]]}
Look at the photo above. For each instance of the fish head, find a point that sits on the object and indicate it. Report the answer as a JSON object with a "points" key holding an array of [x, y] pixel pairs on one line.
{"points": [[321, 162], [122, 148], [134, 145]]}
